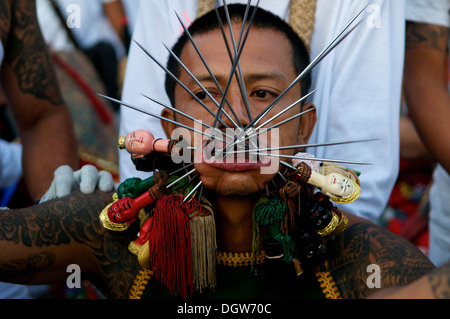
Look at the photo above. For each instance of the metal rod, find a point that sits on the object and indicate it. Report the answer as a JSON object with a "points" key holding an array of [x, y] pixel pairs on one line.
{"points": [[181, 169], [306, 145], [238, 73], [180, 178], [183, 114], [308, 68], [192, 191], [191, 39], [137, 108], [199, 84], [179, 82], [314, 158]]}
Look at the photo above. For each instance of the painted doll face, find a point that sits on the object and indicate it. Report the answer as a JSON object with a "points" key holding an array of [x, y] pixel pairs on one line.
{"points": [[338, 185], [139, 143]]}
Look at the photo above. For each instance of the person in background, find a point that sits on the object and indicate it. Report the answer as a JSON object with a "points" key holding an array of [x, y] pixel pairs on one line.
{"points": [[43, 121], [428, 99]]}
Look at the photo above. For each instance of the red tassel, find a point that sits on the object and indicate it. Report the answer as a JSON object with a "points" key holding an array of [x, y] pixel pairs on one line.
{"points": [[170, 244]]}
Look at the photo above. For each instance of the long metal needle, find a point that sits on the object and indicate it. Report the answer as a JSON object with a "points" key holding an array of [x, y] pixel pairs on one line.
{"points": [[179, 82], [308, 68], [200, 85], [137, 108], [180, 178], [314, 158], [238, 73], [191, 39], [236, 140], [235, 61], [181, 169], [192, 191], [184, 114], [306, 145], [286, 109]]}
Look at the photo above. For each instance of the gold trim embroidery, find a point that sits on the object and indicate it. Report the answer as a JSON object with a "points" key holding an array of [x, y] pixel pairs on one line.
{"points": [[238, 259], [139, 284], [328, 285]]}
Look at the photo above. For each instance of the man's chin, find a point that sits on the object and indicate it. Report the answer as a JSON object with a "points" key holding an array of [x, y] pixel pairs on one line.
{"points": [[232, 183]]}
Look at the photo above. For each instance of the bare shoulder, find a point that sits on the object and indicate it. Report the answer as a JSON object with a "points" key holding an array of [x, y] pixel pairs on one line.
{"points": [[365, 249]]}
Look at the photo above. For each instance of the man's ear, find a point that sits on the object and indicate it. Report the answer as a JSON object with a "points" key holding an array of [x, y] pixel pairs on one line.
{"points": [[167, 126], [307, 123]]}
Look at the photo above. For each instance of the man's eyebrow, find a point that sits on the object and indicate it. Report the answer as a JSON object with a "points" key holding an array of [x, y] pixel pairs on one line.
{"points": [[209, 78], [253, 77]]}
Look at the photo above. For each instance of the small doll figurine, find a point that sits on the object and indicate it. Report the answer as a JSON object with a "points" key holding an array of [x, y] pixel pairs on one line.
{"points": [[141, 142], [339, 183]]}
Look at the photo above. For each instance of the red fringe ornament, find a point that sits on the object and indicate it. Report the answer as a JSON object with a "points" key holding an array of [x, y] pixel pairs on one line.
{"points": [[170, 243]]}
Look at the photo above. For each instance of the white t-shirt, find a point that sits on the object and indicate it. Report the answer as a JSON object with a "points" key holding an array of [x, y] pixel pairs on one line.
{"points": [[10, 163], [428, 11], [87, 22], [359, 85], [436, 12]]}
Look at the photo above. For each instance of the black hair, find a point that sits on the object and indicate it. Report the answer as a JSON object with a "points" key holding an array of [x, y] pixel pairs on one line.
{"points": [[263, 19]]}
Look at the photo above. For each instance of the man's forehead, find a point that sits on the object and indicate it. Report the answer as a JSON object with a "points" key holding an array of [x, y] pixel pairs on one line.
{"points": [[261, 43]]}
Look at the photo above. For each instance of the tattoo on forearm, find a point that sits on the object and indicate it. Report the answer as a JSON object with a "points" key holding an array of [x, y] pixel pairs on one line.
{"points": [[425, 36], [73, 219], [23, 270], [28, 55], [440, 281], [364, 244]]}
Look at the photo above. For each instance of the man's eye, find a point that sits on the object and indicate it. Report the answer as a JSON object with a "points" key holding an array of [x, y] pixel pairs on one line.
{"points": [[261, 93], [201, 95]]}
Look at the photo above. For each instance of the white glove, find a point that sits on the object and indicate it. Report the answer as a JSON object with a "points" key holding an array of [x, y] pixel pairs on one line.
{"points": [[87, 180]]}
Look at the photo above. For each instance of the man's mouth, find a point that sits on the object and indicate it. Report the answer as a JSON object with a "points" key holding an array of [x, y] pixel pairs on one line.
{"points": [[243, 156]]}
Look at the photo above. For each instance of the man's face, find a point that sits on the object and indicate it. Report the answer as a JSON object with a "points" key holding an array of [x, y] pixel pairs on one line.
{"points": [[267, 70]]}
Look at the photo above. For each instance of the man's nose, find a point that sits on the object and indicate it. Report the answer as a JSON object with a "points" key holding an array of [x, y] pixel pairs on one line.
{"points": [[237, 110]]}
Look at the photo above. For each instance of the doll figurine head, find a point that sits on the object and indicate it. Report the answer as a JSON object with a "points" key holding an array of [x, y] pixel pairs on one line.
{"points": [[341, 184], [139, 143]]}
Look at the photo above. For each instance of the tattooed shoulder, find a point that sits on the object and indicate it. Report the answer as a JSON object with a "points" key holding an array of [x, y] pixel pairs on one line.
{"points": [[365, 245], [440, 281]]}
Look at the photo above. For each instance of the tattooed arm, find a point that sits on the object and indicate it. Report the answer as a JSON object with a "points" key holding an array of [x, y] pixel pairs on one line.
{"points": [[435, 285], [363, 244], [38, 243], [426, 89], [31, 89]]}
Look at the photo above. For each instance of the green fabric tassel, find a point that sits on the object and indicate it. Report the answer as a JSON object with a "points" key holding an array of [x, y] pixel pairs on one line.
{"points": [[270, 210]]}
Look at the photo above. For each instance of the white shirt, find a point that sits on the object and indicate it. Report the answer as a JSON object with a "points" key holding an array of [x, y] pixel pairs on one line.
{"points": [[10, 163], [86, 20], [359, 85], [428, 11]]}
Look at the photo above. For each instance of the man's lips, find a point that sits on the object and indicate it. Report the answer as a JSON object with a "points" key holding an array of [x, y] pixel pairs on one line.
{"points": [[234, 162]]}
